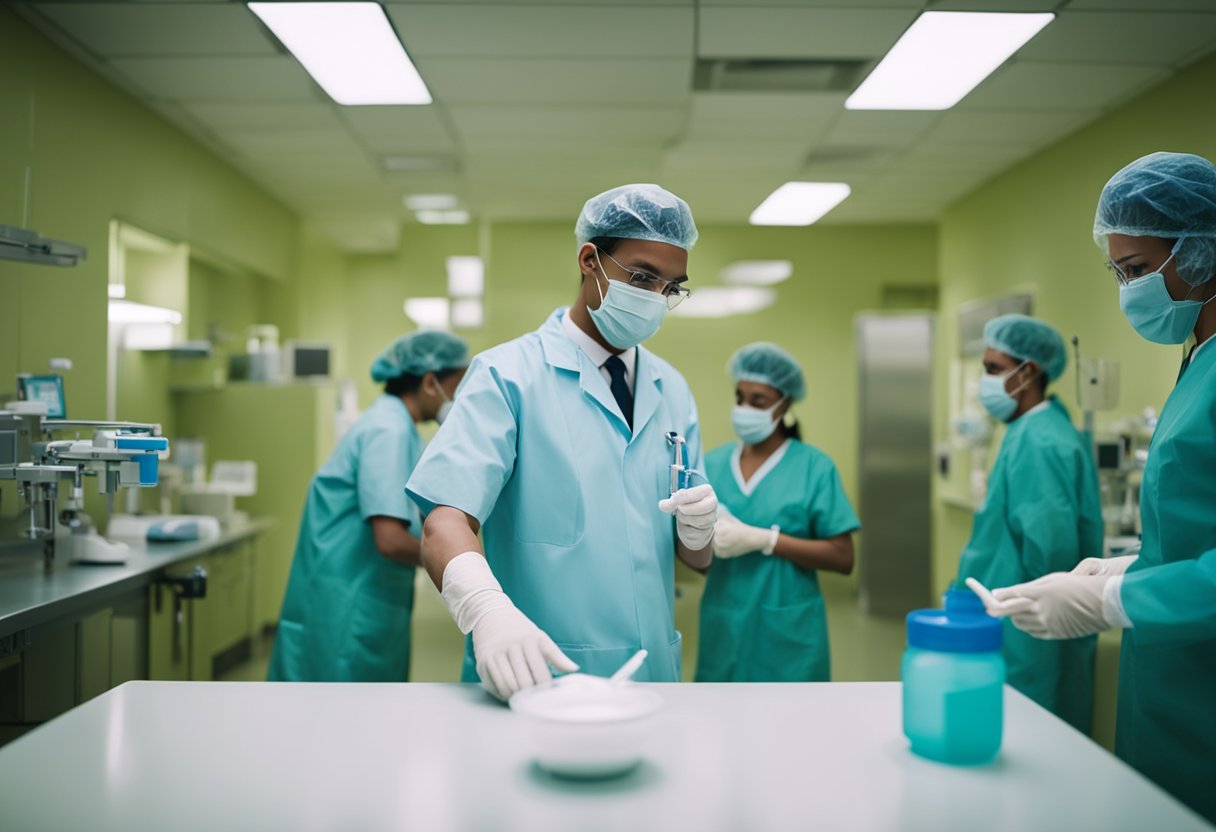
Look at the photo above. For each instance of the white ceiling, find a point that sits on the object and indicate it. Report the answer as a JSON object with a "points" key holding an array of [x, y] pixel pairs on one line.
{"points": [[540, 104]]}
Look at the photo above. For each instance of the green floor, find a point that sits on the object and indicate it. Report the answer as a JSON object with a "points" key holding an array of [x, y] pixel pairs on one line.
{"points": [[864, 647]]}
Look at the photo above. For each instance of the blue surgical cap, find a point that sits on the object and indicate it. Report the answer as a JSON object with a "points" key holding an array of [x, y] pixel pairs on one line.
{"points": [[1028, 339], [768, 364], [419, 353], [637, 212], [1167, 195]]}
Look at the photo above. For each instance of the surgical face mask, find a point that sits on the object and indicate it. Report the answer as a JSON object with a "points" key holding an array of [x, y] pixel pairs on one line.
{"points": [[627, 315], [995, 399], [1154, 314], [753, 425], [446, 407]]}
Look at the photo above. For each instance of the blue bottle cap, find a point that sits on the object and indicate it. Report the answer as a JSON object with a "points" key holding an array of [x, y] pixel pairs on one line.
{"points": [[951, 632], [963, 600]]}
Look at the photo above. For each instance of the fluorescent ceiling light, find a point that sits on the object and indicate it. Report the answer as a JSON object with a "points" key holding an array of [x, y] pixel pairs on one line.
{"points": [[350, 49], [431, 202], [725, 301], [428, 313], [129, 312], [942, 57], [467, 313], [757, 272], [442, 217], [799, 203], [117, 290], [466, 277]]}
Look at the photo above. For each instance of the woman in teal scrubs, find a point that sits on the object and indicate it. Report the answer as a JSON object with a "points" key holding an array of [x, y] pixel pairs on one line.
{"points": [[1041, 513], [346, 614], [784, 517], [1156, 222]]}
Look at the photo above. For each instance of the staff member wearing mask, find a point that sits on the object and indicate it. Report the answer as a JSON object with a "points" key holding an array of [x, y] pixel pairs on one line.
{"points": [[346, 614], [556, 451], [1042, 512], [1156, 222], [784, 517]]}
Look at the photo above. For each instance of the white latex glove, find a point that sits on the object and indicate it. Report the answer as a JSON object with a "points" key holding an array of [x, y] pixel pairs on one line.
{"points": [[512, 652], [733, 538], [1104, 566], [1056, 606], [696, 510]]}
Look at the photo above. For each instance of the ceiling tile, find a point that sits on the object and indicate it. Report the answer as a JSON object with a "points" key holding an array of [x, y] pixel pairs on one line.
{"points": [[250, 117], [1053, 86], [995, 5], [882, 4], [485, 127], [1142, 5], [146, 29], [526, 31], [328, 142], [510, 82], [362, 233], [984, 127], [278, 79], [874, 128], [386, 131], [1127, 38], [763, 115], [799, 32], [715, 157]]}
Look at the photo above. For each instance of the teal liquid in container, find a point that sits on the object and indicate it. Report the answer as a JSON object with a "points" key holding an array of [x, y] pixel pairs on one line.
{"points": [[953, 682]]}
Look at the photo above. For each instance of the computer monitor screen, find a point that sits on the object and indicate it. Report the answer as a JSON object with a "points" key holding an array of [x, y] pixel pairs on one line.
{"points": [[46, 389]]}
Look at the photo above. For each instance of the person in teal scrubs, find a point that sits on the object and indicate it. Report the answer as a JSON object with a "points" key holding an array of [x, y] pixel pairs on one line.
{"points": [[784, 516], [1156, 223], [346, 613], [557, 452], [1041, 513]]}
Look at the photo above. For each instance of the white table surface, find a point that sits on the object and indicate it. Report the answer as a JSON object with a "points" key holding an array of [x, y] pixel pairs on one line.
{"points": [[297, 757]]}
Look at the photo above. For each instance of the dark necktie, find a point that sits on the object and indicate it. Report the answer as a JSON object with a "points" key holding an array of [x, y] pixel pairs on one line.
{"points": [[620, 388]]}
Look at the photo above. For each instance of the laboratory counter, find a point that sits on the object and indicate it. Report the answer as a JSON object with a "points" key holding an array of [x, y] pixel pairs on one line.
{"points": [[30, 596], [253, 756]]}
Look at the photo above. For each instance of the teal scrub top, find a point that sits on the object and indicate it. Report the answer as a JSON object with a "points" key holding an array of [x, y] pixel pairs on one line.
{"points": [[762, 617], [538, 451], [1042, 514], [346, 613], [1166, 725]]}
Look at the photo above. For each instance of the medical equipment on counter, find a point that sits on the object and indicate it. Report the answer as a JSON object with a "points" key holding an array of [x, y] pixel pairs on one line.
{"points": [[265, 358], [953, 677], [119, 455], [681, 476], [159, 528], [216, 497]]}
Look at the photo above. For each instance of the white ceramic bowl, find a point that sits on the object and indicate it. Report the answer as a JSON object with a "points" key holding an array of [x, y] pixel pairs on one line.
{"points": [[581, 726]]}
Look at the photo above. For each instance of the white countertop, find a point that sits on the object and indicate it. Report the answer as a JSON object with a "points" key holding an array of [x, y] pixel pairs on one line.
{"points": [[260, 756], [29, 595]]}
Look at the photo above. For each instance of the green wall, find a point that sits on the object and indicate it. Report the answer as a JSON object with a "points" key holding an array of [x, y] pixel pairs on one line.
{"points": [[1031, 228], [91, 153]]}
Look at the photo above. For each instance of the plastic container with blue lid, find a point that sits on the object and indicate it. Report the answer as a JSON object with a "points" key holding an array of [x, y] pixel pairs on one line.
{"points": [[953, 683]]}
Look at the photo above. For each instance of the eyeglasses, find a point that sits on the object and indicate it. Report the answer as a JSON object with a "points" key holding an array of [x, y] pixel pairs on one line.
{"points": [[671, 291], [1124, 278]]}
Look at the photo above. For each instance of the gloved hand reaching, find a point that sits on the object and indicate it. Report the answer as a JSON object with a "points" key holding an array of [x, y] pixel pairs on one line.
{"points": [[733, 537], [512, 652], [1104, 566], [696, 510], [1057, 606]]}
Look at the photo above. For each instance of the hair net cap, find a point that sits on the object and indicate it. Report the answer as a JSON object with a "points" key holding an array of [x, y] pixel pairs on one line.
{"points": [[637, 212], [1171, 196], [419, 353], [768, 364], [1028, 339]]}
